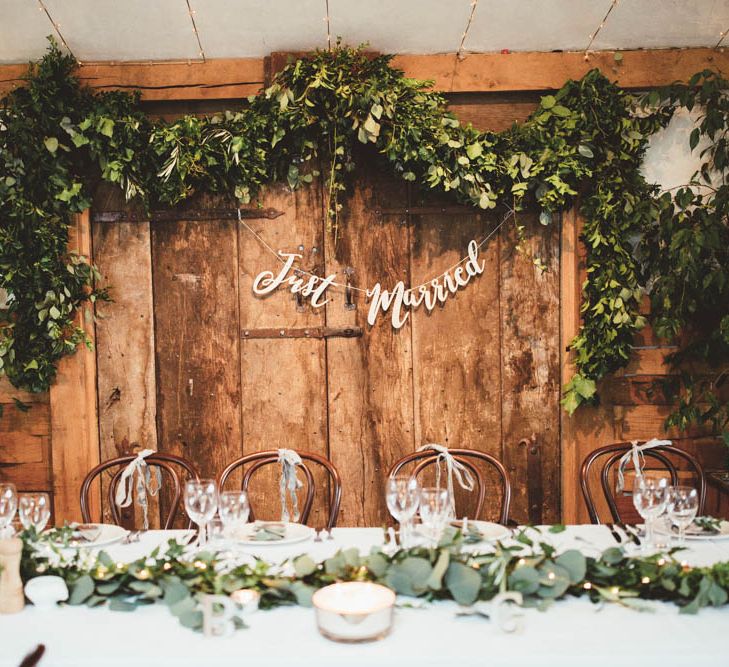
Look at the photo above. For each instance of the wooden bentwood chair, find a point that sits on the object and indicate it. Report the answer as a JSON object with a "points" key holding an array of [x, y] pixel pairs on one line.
{"points": [[429, 457], [607, 459], [258, 460], [176, 468]]}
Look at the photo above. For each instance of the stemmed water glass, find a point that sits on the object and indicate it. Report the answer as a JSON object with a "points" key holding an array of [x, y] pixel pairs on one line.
{"points": [[435, 511], [201, 503], [403, 496], [34, 509], [682, 504], [649, 498], [8, 505], [233, 508]]}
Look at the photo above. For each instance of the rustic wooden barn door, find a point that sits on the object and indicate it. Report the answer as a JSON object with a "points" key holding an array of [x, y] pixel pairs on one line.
{"points": [[191, 361]]}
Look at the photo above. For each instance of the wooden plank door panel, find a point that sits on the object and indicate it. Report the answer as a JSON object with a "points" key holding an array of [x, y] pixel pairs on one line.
{"points": [[530, 368], [125, 342], [369, 378], [456, 347], [283, 380], [197, 341]]}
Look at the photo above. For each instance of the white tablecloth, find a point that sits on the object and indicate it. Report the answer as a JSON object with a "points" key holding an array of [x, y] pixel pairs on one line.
{"points": [[571, 632]]}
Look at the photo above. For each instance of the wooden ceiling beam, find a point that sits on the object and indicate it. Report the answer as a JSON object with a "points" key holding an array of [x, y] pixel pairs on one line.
{"points": [[485, 72]]}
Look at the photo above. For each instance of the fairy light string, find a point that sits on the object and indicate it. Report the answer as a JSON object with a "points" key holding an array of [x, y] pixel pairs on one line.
{"points": [[191, 12], [593, 36], [722, 35], [57, 27], [425, 283], [459, 53]]}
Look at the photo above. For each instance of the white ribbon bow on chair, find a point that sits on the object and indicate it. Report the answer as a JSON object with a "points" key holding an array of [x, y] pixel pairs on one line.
{"points": [[290, 482], [453, 467], [635, 453], [138, 468]]}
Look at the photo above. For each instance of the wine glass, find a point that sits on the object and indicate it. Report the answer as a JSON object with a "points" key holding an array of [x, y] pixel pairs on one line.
{"points": [[649, 498], [34, 510], [682, 504], [201, 503], [8, 505], [234, 508], [403, 496], [435, 511]]}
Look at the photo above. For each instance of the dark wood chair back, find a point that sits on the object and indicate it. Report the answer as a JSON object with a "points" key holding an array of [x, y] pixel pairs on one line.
{"points": [[253, 462], [607, 459], [175, 470], [429, 457]]}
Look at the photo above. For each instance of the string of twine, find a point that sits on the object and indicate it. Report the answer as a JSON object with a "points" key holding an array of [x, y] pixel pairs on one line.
{"points": [[426, 283]]}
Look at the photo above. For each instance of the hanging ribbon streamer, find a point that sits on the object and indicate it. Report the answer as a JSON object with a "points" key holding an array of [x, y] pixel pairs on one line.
{"points": [[289, 482], [635, 454], [453, 467], [138, 469]]}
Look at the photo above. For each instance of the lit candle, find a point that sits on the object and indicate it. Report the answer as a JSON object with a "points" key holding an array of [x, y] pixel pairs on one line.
{"points": [[354, 611], [247, 598]]}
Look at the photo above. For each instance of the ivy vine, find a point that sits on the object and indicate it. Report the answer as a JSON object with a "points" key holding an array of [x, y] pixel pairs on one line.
{"points": [[588, 139]]}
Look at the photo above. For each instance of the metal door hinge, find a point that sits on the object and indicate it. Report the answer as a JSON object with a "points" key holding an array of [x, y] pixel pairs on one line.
{"points": [[309, 332]]}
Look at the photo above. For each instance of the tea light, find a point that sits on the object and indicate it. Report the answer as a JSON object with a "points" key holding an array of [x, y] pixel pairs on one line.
{"points": [[246, 598], [355, 611]]}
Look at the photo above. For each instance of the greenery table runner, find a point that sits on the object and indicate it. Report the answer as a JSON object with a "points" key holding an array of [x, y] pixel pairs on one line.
{"points": [[177, 576]]}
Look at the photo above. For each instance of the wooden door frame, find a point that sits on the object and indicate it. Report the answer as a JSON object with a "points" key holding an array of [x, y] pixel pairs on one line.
{"points": [[75, 441]]}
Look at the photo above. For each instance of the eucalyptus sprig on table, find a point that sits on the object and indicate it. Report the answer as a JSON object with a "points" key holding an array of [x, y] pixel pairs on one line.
{"points": [[177, 577], [57, 138]]}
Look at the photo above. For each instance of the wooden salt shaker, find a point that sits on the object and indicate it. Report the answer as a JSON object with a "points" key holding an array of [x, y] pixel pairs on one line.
{"points": [[12, 599]]}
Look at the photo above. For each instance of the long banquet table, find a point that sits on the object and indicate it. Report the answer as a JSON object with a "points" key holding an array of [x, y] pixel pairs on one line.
{"points": [[570, 632]]}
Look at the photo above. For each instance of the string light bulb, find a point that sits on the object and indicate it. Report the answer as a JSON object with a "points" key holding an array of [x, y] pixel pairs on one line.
{"points": [[722, 35]]}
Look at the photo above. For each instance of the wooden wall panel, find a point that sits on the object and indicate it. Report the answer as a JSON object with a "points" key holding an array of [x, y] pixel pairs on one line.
{"points": [[125, 345], [197, 346], [456, 347], [25, 440], [530, 386], [284, 399], [370, 378], [74, 415]]}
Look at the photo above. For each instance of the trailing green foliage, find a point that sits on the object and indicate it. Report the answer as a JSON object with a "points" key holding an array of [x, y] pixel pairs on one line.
{"points": [[686, 254], [57, 138], [177, 578]]}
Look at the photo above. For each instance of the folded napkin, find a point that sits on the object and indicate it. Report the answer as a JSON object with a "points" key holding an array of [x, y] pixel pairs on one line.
{"points": [[269, 532], [85, 532], [704, 525]]}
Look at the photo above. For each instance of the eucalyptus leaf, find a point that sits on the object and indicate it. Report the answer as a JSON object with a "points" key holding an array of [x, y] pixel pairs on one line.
{"points": [[81, 590]]}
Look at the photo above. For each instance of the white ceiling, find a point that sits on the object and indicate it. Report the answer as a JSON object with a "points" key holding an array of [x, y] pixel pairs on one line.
{"points": [[155, 30]]}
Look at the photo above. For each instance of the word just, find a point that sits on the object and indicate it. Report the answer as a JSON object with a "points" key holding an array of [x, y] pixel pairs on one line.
{"points": [[399, 301]]}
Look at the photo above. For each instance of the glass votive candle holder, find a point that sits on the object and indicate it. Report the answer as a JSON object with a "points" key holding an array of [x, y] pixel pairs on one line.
{"points": [[354, 611], [247, 598]]}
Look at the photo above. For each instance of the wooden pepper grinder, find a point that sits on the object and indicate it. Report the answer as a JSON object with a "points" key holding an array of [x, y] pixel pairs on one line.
{"points": [[12, 599]]}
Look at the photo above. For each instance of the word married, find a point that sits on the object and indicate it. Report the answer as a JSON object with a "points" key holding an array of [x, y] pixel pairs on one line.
{"points": [[399, 301]]}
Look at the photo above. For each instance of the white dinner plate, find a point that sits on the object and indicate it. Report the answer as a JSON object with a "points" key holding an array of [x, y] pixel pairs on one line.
{"points": [[108, 534], [490, 531], [664, 528], [295, 532]]}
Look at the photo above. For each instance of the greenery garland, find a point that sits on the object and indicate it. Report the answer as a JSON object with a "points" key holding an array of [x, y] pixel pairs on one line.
{"points": [[58, 138], [177, 578]]}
